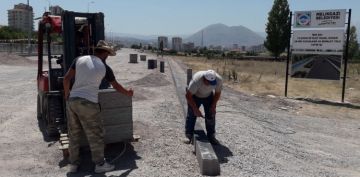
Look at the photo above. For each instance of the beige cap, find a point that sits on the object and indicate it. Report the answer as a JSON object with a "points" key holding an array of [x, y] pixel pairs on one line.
{"points": [[103, 45]]}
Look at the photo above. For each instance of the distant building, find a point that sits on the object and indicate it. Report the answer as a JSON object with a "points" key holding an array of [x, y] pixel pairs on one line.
{"points": [[21, 17], [219, 47], [164, 40], [235, 46], [177, 43], [243, 48], [213, 47], [257, 48], [56, 10], [188, 47]]}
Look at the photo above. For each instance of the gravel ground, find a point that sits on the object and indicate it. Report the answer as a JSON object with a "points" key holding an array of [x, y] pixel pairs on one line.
{"points": [[261, 136]]}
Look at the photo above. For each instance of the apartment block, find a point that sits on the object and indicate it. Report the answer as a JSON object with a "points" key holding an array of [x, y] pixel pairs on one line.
{"points": [[177, 43], [164, 41], [21, 17]]}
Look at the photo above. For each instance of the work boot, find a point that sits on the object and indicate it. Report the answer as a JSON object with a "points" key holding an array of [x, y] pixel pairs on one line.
{"points": [[105, 167], [73, 168], [213, 140], [188, 139]]}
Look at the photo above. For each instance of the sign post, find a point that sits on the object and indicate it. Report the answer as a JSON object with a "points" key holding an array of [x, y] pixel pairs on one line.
{"points": [[318, 40], [346, 55], [288, 58]]}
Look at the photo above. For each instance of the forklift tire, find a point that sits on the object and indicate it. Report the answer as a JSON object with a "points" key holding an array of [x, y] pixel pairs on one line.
{"points": [[38, 112], [50, 129]]}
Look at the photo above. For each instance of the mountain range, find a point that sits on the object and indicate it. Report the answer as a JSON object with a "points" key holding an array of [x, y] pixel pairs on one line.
{"points": [[216, 35], [223, 35]]}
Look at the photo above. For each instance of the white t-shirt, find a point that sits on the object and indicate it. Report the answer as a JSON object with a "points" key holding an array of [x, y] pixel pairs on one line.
{"points": [[90, 70], [198, 88]]}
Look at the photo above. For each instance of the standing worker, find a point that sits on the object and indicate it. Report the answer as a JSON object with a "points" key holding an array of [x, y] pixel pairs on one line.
{"points": [[83, 106], [204, 89]]}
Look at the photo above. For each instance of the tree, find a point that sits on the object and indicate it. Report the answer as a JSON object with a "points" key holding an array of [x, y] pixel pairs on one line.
{"points": [[203, 50], [172, 52], [353, 43], [134, 46], [278, 28], [11, 33]]}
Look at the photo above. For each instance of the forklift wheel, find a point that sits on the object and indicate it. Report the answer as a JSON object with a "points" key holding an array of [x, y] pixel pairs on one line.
{"points": [[52, 131], [39, 116]]}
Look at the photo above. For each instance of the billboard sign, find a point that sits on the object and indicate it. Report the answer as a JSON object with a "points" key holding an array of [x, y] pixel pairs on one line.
{"points": [[329, 42], [320, 18]]}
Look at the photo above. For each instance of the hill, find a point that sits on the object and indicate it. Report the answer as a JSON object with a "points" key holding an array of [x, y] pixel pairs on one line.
{"points": [[220, 34]]}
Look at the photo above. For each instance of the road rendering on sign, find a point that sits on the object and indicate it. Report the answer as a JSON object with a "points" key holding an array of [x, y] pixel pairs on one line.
{"points": [[318, 67]]}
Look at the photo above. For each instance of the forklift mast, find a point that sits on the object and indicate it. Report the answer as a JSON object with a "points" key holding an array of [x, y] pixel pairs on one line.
{"points": [[81, 32]]}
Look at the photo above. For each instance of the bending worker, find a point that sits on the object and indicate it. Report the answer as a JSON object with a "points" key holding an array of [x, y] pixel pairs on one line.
{"points": [[83, 106], [204, 89]]}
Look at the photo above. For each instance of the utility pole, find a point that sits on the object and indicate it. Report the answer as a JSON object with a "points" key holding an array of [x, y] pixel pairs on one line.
{"points": [[88, 5], [30, 27], [202, 38], [49, 5]]}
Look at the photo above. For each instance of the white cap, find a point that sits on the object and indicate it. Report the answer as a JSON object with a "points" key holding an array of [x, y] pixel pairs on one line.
{"points": [[210, 75]]}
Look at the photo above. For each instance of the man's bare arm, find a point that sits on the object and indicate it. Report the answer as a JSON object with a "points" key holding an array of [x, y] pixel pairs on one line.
{"points": [[192, 104], [66, 83], [118, 87], [214, 103]]}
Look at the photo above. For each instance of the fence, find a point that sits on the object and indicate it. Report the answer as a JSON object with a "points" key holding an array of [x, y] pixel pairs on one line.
{"points": [[26, 49]]}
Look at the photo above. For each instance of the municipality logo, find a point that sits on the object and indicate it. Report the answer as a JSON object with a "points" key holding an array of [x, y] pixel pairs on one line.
{"points": [[303, 19]]}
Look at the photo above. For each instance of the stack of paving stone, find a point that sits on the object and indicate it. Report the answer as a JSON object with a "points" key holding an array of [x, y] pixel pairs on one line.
{"points": [[116, 113], [64, 144], [152, 64], [142, 57], [133, 58]]}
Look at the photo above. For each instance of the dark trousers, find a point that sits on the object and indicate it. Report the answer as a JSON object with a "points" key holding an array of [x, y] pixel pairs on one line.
{"points": [[209, 119]]}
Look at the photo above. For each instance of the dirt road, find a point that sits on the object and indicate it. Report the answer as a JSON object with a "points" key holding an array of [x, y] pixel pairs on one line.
{"points": [[261, 136]]}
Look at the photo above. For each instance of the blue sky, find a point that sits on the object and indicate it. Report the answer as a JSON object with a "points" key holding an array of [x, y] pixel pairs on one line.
{"points": [[178, 17]]}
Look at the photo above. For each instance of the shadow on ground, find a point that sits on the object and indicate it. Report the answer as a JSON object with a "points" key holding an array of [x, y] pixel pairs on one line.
{"points": [[127, 161], [330, 103], [222, 152]]}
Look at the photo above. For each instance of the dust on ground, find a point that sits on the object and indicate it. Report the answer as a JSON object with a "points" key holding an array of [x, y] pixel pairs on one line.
{"points": [[14, 60]]}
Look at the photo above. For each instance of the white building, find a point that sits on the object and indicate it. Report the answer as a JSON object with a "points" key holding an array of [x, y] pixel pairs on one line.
{"points": [[257, 48], [21, 17], [177, 43], [164, 41]]}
